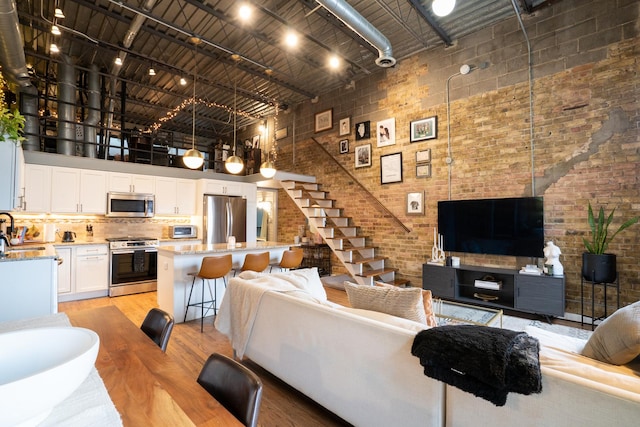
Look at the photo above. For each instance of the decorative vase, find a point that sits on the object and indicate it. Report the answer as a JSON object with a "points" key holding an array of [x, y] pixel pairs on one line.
{"points": [[599, 268]]}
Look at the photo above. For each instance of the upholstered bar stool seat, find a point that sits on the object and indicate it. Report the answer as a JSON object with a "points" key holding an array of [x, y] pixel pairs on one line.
{"points": [[255, 262], [290, 259], [212, 267]]}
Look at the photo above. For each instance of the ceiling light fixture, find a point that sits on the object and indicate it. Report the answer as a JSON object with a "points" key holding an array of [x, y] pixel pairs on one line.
{"points": [[118, 60], [234, 164], [183, 81], [193, 158], [291, 39], [53, 48], [443, 7], [55, 30], [334, 62], [58, 13], [244, 12], [268, 167], [152, 71]]}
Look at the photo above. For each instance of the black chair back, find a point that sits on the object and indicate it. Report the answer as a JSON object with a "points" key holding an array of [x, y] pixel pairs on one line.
{"points": [[158, 325]]}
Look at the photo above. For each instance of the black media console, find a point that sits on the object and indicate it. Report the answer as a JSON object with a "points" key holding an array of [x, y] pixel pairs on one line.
{"points": [[543, 295]]}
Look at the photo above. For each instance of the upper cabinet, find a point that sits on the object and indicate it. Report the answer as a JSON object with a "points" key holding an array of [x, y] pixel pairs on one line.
{"points": [[127, 183], [175, 196], [11, 176], [78, 191], [37, 188]]}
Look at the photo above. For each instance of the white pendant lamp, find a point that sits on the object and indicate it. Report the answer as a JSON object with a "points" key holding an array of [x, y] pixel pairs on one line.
{"points": [[268, 169], [234, 164], [443, 7], [193, 158]]}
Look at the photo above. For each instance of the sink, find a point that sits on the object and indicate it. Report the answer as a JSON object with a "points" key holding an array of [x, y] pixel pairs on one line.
{"points": [[40, 368]]}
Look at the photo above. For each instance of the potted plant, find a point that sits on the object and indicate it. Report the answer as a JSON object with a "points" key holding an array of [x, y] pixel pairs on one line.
{"points": [[597, 265], [11, 121]]}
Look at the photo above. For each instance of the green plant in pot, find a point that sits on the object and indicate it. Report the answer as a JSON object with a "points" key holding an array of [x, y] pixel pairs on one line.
{"points": [[11, 121], [597, 265]]}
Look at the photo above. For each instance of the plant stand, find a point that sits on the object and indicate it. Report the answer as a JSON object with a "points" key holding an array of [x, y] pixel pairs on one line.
{"points": [[615, 285]]}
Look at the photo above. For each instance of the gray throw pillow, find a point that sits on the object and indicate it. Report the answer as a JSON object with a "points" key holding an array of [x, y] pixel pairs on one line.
{"points": [[401, 302], [617, 339]]}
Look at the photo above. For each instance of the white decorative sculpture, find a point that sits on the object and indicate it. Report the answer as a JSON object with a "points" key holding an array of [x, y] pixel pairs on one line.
{"points": [[437, 252], [552, 257]]}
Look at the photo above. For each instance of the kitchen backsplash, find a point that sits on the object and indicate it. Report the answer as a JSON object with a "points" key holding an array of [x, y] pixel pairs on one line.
{"points": [[103, 227]]}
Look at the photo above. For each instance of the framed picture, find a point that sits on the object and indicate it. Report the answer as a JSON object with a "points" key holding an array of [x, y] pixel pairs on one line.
{"points": [[324, 120], [423, 171], [386, 132], [363, 155], [345, 126], [344, 146], [424, 129], [255, 142], [363, 130], [415, 203], [391, 168], [282, 133], [423, 156]]}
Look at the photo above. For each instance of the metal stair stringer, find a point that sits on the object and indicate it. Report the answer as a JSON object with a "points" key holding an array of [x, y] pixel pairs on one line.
{"points": [[340, 234]]}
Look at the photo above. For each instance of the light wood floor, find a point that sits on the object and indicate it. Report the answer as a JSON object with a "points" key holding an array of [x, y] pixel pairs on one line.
{"points": [[281, 404]]}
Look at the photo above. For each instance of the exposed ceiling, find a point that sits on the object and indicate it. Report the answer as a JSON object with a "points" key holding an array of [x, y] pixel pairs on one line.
{"points": [[267, 74]]}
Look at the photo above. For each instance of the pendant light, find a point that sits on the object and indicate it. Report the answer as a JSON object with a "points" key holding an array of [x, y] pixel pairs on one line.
{"points": [[193, 158], [268, 167], [234, 164]]}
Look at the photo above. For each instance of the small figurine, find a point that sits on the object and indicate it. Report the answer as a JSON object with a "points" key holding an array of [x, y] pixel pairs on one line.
{"points": [[552, 258]]}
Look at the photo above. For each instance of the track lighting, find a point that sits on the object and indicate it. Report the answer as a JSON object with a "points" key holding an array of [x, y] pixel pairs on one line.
{"points": [[118, 60], [58, 13], [152, 71], [55, 30], [53, 48]]}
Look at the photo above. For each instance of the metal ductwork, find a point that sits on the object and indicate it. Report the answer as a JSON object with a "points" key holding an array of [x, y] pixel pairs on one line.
{"points": [[356, 22], [29, 109], [93, 117], [66, 107]]}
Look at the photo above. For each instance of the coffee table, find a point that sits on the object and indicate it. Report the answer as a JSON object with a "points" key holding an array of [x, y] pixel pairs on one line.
{"points": [[450, 312]]}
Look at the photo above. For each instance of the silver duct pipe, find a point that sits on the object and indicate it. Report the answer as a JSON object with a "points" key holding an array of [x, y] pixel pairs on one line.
{"points": [[93, 117], [356, 22], [66, 107], [11, 51], [29, 109]]}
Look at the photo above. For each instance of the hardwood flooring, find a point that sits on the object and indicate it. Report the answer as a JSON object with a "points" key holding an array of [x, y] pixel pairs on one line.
{"points": [[281, 405]]}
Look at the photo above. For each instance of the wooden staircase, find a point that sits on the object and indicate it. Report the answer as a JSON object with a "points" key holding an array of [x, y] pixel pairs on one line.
{"points": [[340, 234]]}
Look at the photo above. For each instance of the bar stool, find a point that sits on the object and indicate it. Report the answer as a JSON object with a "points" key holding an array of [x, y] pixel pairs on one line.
{"points": [[212, 267], [255, 262], [290, 259]]}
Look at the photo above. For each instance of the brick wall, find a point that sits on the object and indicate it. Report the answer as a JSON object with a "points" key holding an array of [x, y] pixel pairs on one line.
{"points": [[585, 146]]}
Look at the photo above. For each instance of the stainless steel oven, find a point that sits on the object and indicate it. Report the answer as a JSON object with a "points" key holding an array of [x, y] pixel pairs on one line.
{"points": [[133, 265]]}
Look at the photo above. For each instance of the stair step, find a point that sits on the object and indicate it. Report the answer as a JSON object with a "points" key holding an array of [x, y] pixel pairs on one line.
{"points": [[347, 237], [373, 273], [368, 260], [356, 248]]}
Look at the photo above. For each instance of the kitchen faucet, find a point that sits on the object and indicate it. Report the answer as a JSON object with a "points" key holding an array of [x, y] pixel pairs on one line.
{"points": [[12, 226]]}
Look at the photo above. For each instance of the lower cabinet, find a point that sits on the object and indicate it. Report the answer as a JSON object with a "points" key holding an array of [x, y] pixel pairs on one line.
{"points": [[84, 272], [508, 289], [317, 256]]}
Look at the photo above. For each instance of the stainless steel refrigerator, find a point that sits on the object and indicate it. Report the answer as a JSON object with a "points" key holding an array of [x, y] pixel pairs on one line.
{"points": [[224, 216]]}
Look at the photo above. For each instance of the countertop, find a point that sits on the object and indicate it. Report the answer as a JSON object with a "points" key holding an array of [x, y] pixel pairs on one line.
{"points": [[30, 252], [222, 248]]}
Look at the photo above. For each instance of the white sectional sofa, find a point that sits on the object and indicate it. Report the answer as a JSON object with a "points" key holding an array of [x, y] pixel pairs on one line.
{"points": [[358, 364]]}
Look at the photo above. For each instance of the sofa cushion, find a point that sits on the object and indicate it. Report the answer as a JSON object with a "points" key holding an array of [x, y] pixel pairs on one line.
{"points": [[401, 302], [617, 339], [388, 319], [427, 301]]}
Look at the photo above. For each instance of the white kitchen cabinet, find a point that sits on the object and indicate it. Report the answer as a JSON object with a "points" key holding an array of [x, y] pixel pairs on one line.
{"points": [[225, 188], [37, 188], [28, 288], [175, 196], [127, 183], [11, 176], [78, 191], [84, 272]]}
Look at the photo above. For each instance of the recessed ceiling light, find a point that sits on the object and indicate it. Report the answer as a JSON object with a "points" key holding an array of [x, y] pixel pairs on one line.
{"points": [[443, 7], [244, 12], [291, 39], [334, 62]]}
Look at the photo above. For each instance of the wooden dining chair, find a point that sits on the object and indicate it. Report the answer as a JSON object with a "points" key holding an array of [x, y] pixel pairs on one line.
{"points": [[232, 384], [290, 259], [158, 325]]}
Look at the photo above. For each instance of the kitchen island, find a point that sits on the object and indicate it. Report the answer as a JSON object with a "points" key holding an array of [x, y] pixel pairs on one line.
{"points": [[175, 262]]}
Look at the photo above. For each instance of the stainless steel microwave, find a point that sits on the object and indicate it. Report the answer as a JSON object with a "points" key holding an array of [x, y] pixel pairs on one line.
{"points": [[130, 205], [183, 231]]}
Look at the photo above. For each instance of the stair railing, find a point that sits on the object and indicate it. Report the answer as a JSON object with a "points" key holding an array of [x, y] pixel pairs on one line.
{"points": [[377, 202]]}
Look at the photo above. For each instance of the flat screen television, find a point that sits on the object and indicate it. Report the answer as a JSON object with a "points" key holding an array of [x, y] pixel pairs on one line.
{"points": [[510, 226]]}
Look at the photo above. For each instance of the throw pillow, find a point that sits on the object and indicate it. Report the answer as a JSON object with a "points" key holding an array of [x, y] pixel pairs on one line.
{"points": [[308, 279], [401, 302], [617, 339], [428, 308]]}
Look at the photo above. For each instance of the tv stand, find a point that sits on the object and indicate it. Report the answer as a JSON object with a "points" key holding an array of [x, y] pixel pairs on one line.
{"points": [[543, 295]]}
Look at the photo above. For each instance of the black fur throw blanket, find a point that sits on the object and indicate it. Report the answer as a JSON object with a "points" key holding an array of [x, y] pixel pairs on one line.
{"points": [[487, 362]]}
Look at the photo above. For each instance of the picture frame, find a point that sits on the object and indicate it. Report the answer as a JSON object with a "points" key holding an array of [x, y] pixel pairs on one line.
{"points": [[391, 168], [423, 170], [282, 133], [423, 156], [423, 129], [386, 132], [363, 130], [255, 141], [344, 146], [363, 156], [323, 120], [345, 126], [415, 203]]}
